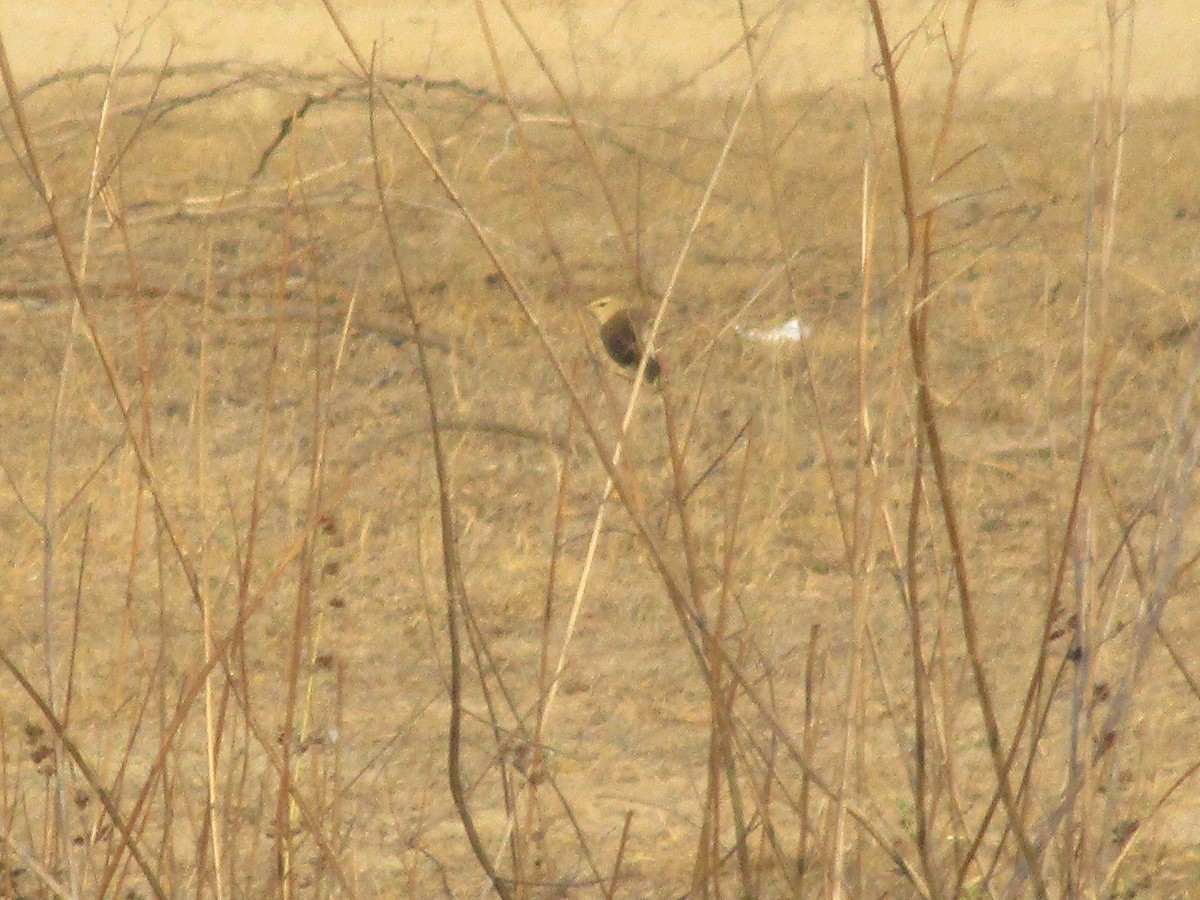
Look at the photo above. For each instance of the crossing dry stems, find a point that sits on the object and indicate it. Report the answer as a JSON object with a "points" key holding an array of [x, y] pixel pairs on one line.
{"points": [[893, 609]]}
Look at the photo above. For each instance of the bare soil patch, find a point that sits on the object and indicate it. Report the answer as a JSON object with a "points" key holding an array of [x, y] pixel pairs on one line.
{"points": [[257, 332]]}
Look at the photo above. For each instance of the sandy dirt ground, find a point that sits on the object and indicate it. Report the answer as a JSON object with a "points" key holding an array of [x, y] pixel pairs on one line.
{"points": [[265, 363]]}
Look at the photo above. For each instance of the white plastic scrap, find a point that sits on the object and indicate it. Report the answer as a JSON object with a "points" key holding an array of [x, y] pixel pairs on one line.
{"points": [[790, 332]]}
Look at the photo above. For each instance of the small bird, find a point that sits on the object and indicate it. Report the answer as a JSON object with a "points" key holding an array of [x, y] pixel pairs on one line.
{"points": [[619, 327]]}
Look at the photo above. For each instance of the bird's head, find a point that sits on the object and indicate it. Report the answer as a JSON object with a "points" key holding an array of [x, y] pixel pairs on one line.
{"points": [[606, 307]]}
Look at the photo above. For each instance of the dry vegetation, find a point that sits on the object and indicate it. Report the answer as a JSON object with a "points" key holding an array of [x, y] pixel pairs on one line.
{"points": [[325, 575]]}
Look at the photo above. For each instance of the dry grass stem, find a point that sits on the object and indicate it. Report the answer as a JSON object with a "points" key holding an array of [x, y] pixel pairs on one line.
{"points": [[846, 551]]}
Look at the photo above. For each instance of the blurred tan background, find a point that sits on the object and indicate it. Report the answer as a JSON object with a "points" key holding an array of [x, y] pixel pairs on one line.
{"points": [[1041, 47]]}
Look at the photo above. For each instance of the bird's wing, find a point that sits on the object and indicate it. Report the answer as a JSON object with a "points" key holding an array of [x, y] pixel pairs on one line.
{"points": [[621, 340]]}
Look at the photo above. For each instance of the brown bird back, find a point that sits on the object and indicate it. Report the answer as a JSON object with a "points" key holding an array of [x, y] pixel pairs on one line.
{"points": [[623, 344]]}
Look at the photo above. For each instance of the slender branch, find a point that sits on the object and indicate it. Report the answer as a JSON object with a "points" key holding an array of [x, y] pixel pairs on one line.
{"points": [[451, 566]]}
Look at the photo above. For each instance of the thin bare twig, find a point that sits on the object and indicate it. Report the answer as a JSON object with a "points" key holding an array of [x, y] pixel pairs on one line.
{"points": [[451, 566]]}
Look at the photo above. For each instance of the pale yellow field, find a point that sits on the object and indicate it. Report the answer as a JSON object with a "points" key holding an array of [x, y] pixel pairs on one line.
{"points": [[285, 520]]}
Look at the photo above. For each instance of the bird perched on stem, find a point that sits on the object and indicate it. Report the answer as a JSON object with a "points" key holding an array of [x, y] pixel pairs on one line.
{"points": [[620, 332]]}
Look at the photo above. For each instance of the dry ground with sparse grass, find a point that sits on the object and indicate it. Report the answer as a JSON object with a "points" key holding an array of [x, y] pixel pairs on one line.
{"points": [[259, 334]]}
